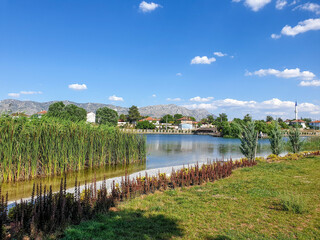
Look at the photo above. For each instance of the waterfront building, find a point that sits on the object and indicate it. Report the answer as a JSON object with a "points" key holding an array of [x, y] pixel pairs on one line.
{"points": [[121, 123], [91, 117], [315, 124], [185, 126], [155, 121], [299, 122]]}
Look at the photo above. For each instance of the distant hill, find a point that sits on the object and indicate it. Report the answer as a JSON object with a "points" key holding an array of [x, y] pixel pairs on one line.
{"points": [[30, 107]]}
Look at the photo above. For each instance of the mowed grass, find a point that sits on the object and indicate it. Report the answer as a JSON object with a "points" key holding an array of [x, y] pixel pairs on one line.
{"points": [[254, 203]]}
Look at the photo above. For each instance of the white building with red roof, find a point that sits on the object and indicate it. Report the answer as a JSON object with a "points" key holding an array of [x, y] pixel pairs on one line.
{"points": [[155, 121], [315, 124]]}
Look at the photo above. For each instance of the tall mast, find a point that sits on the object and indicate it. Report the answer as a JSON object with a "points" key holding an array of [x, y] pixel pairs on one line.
{"points": [[296, 110]]}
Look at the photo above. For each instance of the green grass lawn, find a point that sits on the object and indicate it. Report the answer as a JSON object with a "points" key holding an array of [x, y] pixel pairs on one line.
{"points": [[278, 200]]}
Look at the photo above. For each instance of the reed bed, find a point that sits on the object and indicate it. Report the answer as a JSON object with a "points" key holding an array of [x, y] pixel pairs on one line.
{"points": [[41, 147], [47, 212]]}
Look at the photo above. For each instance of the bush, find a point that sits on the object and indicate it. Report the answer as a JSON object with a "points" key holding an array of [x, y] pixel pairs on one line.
{"points": [[107, 116], [70, 112], [293, 203]]}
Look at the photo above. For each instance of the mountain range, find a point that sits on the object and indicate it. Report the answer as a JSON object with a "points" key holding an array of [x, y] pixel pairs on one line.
{"points": [[156, 111]]}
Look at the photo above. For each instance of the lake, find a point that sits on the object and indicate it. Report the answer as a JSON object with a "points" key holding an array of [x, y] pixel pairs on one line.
{"points": [[162, 151], [173, 150]]}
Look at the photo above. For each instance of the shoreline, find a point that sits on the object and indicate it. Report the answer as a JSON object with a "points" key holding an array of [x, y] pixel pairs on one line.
{"points": [[109, 181], [150, 172]]}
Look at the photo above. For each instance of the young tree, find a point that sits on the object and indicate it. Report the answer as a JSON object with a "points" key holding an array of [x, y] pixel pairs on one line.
{"points": [[167, 119], [106, 115], [247, 118], [177, 116], [210, 119], [269, 119], [294, 138], [276, 139], [133, 114], [222, 118], [261, 126], [249, 141], [123, 117]]}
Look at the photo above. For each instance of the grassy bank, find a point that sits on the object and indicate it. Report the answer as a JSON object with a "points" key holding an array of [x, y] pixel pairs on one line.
{"points": [[48, 213], [278, 200], [311, 143], [42, 147]]}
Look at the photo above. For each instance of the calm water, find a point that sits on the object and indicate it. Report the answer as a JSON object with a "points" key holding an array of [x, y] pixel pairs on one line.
{"points": [[162, 151], [172, 150]]}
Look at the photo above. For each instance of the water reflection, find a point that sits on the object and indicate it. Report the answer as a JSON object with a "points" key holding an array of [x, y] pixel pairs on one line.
{"points": [[170, 150], [19, 190]]}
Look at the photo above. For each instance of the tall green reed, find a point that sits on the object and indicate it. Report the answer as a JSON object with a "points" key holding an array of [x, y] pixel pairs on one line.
{"points": [[40, 147]]}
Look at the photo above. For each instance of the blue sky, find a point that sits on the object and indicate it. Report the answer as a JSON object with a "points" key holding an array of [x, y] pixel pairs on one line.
{"points": [[233, 56]]}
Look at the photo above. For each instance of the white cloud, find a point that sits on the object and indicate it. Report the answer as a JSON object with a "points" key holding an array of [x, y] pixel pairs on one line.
{"points": [[148, 7], [115, 98], [314, 83], [275, 36], [293, 3], [256, 5], [202, 60], [236, 1], [179, 74], [228, 102], [276, 103], [208, 106], [77, 86], [274, 106], [287, 73], [220, 54], [153, 95], [276, 113], [30, 92], [174, 99], [302, 27], [312, 7], [280, 4], [200, 99], [15, 95]]}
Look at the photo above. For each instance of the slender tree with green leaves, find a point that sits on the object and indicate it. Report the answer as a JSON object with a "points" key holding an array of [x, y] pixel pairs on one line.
{"points": [[295, 140], [249, 141], [133, 114], [276, 139], [167, 119], [247, 118]]}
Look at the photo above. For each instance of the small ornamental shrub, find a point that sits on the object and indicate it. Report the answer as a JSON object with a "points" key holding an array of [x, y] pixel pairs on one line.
{"points": [[293, 203], [295, 140]]}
